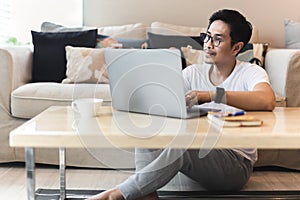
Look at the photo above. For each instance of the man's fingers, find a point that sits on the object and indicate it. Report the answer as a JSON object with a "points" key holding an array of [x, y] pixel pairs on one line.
{"points": [[191, 100]]}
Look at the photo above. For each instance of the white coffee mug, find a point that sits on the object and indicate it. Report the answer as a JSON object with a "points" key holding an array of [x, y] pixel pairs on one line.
{"points": [[87, 107]]}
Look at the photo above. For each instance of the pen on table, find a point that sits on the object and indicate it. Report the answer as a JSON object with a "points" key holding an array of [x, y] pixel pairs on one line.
{"points": [[229, 114], [236, 113]]}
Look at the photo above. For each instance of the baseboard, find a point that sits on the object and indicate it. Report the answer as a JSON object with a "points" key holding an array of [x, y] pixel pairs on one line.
{"points": [[53, 194]]}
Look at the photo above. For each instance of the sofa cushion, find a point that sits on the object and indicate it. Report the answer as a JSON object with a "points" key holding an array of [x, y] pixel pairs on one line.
{"points": [[85, 65], [129, 31], [49, 56], [287, 158], [172, 29], [29, 100], [292, 33], [134, 34], [52, 27]]}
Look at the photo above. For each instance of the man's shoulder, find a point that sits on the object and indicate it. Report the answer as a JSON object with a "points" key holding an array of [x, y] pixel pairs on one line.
{"points": [[197, 67], [249, 66], [194, 71]]}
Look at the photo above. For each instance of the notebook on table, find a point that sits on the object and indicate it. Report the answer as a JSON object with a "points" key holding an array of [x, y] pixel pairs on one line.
{"points": [[148, 81]]}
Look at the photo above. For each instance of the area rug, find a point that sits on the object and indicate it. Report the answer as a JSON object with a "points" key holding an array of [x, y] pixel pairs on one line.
{"points": [[53, 194]]}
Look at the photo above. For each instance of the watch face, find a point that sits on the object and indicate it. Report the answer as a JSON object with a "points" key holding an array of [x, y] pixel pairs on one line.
{"points": [[219, 94]]}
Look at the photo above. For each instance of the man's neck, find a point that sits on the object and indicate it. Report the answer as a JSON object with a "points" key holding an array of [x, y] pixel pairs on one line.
{"points": [[219, 73]]}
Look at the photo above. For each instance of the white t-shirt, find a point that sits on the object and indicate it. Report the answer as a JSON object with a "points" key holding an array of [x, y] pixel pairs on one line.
{"points": [[244, 77]]}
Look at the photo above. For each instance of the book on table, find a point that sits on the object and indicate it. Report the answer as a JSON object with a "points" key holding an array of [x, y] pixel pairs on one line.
{"points": [[234, 121], [230, 116]]}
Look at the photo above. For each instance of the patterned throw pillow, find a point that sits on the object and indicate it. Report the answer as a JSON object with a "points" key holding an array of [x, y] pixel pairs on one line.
{"points": [[254, 53], [104, 41], [192, 56], [85, 65]]}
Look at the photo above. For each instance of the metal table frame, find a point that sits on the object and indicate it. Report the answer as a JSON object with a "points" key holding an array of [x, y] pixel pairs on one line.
{"points": [[30, 172]]}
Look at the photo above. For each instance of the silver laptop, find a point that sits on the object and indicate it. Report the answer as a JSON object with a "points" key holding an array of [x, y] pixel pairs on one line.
{"points": [[148, 81]]}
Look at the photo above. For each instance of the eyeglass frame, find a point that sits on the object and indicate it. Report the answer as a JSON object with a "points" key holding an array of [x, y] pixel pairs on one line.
{"points": [[216, 41]]}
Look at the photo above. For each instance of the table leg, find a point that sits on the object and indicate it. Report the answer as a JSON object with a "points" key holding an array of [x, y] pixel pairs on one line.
{"points": [[62, 172], [30, 174]]}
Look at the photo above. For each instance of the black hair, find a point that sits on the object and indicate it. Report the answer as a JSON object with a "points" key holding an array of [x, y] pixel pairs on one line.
{"points": [[240, 28]]}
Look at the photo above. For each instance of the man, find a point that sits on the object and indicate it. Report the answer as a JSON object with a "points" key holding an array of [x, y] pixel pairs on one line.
{"points": [[240, 84]]}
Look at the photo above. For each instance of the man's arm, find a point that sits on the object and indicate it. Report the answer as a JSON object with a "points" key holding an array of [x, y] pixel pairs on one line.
{"points": [[261, 98]]}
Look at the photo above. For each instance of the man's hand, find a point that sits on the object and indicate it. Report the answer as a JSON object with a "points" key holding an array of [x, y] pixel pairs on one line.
{"points": [[198, 97], [191, 98]]}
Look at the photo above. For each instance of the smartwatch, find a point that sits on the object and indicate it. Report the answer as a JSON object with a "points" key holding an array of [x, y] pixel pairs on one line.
{"points": [[220, 92]]}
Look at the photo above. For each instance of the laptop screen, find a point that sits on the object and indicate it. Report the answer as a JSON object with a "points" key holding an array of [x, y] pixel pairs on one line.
{"points": [[146, 81]]}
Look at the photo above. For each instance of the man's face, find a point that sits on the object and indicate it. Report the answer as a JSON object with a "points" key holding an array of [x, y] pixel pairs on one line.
{"points": [[223, 52]]}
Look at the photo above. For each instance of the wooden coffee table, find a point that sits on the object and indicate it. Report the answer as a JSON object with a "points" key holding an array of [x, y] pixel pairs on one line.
{"points": [[59, 127]]}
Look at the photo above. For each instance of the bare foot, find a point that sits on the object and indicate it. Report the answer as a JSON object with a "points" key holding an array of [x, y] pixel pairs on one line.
{"points": [[112, 194], [152, 196]]}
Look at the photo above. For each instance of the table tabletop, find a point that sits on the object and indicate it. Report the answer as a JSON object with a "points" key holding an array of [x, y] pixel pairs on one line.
{"points": [[60, 126]]}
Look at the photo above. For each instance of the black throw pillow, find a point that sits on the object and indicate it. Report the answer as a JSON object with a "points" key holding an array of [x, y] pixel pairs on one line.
{"points": [[157, 41], [49, 55]]}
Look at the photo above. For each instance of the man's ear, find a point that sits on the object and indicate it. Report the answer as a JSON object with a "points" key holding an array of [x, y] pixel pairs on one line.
{"points": [[237, 47]]}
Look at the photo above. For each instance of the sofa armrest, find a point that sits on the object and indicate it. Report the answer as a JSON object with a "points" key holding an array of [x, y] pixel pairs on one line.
{"points": [[15, 70], [283, 68]]}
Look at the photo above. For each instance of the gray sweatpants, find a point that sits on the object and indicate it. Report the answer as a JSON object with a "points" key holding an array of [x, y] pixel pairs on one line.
{"points": [[219, 170]]}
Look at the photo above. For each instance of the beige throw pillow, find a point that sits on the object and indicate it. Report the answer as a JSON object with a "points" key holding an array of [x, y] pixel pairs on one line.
{"points": [[172, 29], [192, 56], [128, 31], [85, 65]]}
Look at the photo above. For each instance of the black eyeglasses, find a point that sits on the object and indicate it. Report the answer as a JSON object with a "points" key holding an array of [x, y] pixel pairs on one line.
{"points": [[216, 40]]}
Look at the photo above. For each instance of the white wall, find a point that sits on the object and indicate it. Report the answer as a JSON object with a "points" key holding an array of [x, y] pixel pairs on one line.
{"points": [[266, 15], [29, 14]]}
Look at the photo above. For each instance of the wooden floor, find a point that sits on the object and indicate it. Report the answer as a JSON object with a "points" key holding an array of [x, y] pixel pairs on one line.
{"points": [[12, 179]]}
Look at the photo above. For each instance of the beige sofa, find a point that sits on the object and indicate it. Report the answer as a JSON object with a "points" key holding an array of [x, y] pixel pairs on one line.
{"points": [[21, 100]]}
